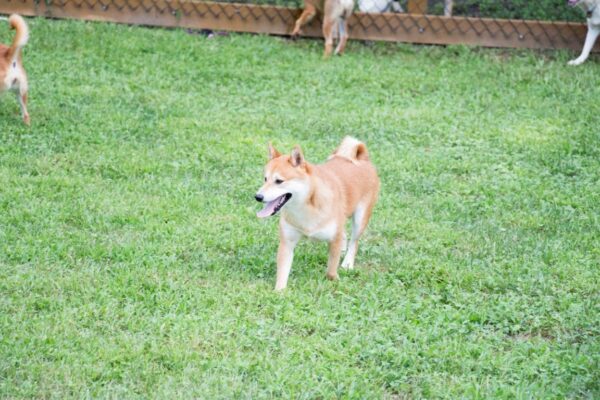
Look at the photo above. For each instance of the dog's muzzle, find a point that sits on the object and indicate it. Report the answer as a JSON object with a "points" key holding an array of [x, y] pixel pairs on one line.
{"points": [[272, 207]]}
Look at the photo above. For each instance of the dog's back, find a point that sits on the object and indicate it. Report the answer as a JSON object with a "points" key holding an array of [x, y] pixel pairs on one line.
{"points": [[350, 167], [10, 55], [12, 73]]}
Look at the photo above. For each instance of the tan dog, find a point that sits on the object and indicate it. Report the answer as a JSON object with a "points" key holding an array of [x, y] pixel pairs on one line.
{"points": [[316, 200], [12, 73], [335, 14]]}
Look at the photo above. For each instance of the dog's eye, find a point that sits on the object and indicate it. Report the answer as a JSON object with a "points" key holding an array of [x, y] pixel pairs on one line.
{"points": [[278, 181]]}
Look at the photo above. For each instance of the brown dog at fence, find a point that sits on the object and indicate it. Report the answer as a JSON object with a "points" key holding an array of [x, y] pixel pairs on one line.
{"points": [[335, 15], [12, 73]]}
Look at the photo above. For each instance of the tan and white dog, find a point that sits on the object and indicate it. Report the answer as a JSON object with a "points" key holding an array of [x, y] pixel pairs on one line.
{"points": [[316, 200], [12, 73], [335, 17], [592, 9]]}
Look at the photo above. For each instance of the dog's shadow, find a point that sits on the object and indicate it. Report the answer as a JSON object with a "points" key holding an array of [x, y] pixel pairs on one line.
{"points": [[309, 266]]}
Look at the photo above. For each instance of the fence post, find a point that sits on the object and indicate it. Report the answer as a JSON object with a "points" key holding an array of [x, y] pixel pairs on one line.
{"points": [[417, 7]]}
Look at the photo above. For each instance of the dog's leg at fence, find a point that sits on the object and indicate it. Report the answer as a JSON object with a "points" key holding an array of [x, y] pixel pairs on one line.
{"points": [[590, 39], [360, 218], [307, 15], [328, 35], [335, 250], [396, 7], [448, 5], [343, 33]]}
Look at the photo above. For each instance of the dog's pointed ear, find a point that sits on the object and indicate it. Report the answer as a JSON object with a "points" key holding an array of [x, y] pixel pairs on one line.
{"points": [[273, 153], [296, 158]]}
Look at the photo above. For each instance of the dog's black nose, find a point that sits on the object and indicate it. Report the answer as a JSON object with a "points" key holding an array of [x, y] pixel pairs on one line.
{"points": [[259, 197]]}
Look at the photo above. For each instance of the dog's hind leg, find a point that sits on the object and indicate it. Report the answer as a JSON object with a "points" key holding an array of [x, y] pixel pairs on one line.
{"points": [[360, 219], [328, 35], [335, 251], [307, 15], [590, 39], [22, 96], [343, 35]]}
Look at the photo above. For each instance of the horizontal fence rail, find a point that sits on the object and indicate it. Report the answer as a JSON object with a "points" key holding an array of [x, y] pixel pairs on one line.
{"points": [[418, 25]]}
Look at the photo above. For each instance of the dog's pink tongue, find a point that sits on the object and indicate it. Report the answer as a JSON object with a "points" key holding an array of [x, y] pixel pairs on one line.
{"points": [[267, 209]]}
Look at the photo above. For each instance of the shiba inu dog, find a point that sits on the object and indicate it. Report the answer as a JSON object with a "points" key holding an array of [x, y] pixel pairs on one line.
{"points": [[316, 200], [592, 9], [335, 17], [12, 73]]}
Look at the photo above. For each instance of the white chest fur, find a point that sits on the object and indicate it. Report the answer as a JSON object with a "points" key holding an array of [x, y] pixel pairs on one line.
{"points": [[325, 232]]}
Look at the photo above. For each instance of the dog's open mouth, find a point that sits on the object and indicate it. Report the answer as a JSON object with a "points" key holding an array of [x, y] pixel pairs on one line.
{"points": [[272, 207]]}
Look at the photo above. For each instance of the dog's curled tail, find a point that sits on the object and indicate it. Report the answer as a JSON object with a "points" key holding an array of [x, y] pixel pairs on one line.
{"points": [[21, 37], [352, 149]]}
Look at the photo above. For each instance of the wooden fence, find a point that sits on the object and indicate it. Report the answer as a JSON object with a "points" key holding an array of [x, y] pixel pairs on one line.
{"points": [[416, 26]]}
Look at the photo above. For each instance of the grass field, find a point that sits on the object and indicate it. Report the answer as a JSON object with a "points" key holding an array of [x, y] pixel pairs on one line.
{"points": [[132, 264]]}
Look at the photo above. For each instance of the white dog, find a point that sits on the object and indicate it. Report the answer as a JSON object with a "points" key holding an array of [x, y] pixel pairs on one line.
{"points": [[592, 9], [379, 6]]}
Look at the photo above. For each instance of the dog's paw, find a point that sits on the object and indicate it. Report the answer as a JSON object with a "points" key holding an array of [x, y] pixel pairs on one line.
{"points": [[575, 62], [332, 277], [347, 264]]}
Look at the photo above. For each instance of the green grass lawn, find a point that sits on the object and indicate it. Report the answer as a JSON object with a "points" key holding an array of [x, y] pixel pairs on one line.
{"points": [[132, 264]]}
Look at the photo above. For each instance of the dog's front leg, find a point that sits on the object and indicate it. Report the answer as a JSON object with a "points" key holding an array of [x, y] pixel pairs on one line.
{"points": [[288, 240], [335, 250], [590, 39]]}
